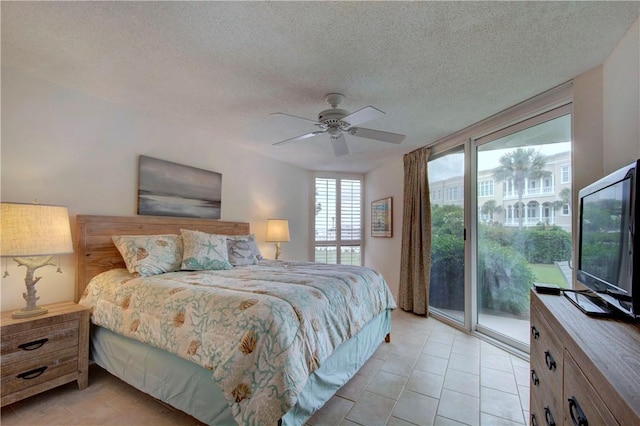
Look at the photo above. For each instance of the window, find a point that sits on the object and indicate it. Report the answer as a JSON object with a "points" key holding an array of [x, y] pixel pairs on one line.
{"points": [[532, 209], [436, 195], [565, 210], [485, 188], [564, 174], [454, 193], [338, 220]]}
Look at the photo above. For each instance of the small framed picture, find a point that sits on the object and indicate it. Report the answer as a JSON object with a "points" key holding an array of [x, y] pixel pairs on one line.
{"points": [[382, 217]]}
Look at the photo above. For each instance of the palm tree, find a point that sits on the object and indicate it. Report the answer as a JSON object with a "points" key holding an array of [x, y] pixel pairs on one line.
{"points": [[565, 198], [489, 208], [521, 165]]}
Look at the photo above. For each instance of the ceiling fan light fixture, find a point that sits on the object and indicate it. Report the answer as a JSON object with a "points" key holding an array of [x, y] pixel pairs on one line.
{"points": [[334, 99], [336, 122]]}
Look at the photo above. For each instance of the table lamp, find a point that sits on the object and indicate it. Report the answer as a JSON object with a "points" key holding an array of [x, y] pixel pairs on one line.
{"points": [[277, 232], [32, 234]]}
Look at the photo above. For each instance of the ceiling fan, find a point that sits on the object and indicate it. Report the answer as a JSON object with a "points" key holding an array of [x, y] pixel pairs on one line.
{"points": [[336, 122]]}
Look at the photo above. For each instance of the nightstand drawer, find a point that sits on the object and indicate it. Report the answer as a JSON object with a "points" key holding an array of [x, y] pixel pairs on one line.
{"points": [[33, 371], [42, 352], [33, 343]]}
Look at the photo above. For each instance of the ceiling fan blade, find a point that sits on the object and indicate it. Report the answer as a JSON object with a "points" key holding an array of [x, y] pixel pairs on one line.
{"points": [[301, 137], [365, 114], [294, 116], [378, 135], [339, 145]]}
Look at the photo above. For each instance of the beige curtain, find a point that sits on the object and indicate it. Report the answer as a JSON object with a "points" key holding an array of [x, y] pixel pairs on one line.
{"points": [[416, 235]]}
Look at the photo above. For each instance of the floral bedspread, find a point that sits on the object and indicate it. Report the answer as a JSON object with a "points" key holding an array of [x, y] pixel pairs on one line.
{"points": [[261, 329]]}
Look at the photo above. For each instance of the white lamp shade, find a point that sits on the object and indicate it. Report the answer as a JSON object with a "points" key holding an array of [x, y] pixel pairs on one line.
{"points": [[277, 231], [34, 230]]}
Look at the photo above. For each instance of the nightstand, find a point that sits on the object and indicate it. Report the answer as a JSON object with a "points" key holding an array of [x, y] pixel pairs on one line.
{"points": [[43, 352]]}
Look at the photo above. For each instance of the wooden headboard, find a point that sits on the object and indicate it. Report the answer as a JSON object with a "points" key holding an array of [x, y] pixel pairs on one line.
{"points": [[96, 252]]}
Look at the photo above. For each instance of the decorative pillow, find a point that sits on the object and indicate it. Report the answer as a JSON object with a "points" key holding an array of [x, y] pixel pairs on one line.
{"points": [[150, 254], [241, 252], [251, 238], [204, 251]]}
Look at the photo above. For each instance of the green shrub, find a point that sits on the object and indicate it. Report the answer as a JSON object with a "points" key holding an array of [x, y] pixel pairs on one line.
{"points": [[446, 290], [546, 245], [504, 278]]}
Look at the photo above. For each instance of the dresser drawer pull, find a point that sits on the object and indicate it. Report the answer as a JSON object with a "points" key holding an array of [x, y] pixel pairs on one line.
{"points": [[534, 332], [534, 419], [577, 415], [534, 378], [549, 417], [32, 374], [548, 359], [31, 346]]}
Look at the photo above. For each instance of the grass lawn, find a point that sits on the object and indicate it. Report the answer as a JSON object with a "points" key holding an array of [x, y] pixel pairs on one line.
{"points": [[549, 274]]}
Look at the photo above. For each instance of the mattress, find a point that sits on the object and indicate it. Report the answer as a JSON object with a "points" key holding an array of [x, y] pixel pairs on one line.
{"points": [[259, 332], [188, 387]]}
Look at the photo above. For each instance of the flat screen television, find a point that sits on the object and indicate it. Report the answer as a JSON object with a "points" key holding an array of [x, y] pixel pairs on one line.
{"points": [[608, 249]]}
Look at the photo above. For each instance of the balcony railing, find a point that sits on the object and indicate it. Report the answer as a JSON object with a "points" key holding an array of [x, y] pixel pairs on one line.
{"points": [[529, 221], [530, 192]]}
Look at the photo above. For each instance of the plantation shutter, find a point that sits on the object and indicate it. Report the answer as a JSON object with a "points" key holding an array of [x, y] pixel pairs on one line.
{"points": [[338, 220]]}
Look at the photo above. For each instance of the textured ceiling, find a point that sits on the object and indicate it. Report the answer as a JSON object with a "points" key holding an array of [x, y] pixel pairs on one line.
{"points": [[433, 67]]}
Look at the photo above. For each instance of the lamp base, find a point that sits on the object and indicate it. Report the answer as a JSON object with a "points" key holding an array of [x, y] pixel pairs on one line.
{"points": [[24, 313]]}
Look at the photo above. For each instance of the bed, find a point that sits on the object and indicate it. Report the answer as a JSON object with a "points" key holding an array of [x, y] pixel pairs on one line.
{"points": [[206, 391]]}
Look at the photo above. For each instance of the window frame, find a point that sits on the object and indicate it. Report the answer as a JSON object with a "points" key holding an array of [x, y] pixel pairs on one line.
{"points": [[338, 242], [566, 168]]}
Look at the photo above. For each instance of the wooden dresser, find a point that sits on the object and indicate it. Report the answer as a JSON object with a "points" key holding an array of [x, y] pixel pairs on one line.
{"points": [[43, 352], [584, 370]]}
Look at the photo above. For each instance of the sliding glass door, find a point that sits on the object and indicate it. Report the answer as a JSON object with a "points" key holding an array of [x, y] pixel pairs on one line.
{"points": [[500, 222], [446, 187], [523, 221]]}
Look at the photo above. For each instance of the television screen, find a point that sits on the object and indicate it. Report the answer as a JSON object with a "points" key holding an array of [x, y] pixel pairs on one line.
{"points": [[605, 239]]}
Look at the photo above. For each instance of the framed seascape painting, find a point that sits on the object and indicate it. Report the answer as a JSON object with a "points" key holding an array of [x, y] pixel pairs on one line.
{"points": [[171, 189], [382, 217]]}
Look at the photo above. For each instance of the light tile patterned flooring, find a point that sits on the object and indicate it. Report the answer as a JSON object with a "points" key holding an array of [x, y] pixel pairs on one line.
{"points": [[430, 373]]}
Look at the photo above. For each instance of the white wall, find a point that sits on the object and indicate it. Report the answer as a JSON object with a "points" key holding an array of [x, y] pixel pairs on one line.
{"points": [[383, 254], [605, 131], [587, 130], [64, 147], [621, 99]]}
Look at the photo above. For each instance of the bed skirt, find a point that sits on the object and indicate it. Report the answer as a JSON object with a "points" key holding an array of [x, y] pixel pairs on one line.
{"points": [[190, 388]]}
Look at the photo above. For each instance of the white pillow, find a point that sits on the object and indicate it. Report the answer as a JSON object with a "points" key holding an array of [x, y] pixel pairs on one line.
{"points": [[204, 251], [241, 251], [150, 254]]}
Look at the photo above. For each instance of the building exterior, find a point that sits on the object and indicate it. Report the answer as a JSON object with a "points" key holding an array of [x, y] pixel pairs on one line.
{"points": [[545, 200]]}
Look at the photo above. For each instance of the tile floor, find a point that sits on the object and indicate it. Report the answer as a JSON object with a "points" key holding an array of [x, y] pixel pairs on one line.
{"points": [[430, 373]]}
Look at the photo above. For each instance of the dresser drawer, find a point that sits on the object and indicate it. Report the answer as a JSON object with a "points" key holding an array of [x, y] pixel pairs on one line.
{"points": [[543, 414], [581, 400], [547, 353], [547, 394], [38, 341], [32, 371]]}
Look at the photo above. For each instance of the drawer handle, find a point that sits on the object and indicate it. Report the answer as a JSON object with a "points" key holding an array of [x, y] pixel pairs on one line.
{"points": [[31, 346], [32, 374], [549, 417], [534, 332], [534, 378], [548, 359], [577, 415], [534, 420]]}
